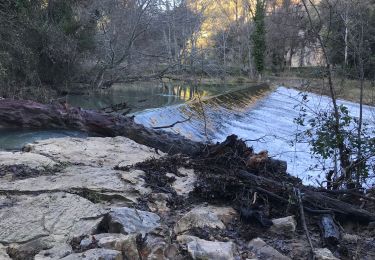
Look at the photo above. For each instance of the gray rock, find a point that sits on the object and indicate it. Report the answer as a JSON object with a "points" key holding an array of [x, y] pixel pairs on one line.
{"points": [[349, 238], [34, 161], [284, 226], [203, 249], [156, 247], [129, 221], [96, 254], [323, 254], [57, 252], [264, 251], [204, 216], [185, 184], [127, 244], [102, 181], [93, 151], [29, 249], [3, 253], [61, 216], [158, 202]]}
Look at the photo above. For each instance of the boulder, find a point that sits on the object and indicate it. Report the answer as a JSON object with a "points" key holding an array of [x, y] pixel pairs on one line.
{"points": [[225, 214], [264, 251], [60, 216], [93, 151], [96, 254], [156, 247], [57, 252], [323, 254], [132, 221], [284, 226], [127, 244], [31, 248], [204, 216], [210, 250]]}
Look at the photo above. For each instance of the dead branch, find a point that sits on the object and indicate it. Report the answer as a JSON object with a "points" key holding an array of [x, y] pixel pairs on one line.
{"points": [[172, 125]]}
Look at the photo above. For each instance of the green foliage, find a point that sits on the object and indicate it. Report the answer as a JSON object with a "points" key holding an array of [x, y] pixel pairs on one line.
{"points": [[41, 42], [326, 143], [259, 36]]}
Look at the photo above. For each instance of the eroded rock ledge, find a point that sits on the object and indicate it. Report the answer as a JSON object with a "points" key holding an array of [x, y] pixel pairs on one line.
{"points": [[111, 198]]}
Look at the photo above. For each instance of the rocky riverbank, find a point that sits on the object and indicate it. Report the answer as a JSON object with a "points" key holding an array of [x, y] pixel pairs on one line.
{"points": [[111, 198]]}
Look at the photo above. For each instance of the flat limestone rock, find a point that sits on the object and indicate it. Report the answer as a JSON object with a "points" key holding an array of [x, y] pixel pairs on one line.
{"points": [[210, 250], [104, 180], [130, 221], [204, 216], [94, 151], [134, 178], [323, 254], [184, 185], [57, 252], [285, 225], [264, 251], [32, 160], [61, 216], [127, 244], [31, 248], [96, 254]]}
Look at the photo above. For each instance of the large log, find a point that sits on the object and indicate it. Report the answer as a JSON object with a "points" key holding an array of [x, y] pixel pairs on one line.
{"points": [[32, 115], [313, 201]]}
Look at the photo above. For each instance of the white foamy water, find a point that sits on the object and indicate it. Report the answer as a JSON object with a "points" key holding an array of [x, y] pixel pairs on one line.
{"points": [[270, 118]]}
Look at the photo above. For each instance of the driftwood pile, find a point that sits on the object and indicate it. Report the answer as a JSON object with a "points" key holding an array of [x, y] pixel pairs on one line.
{"points": [[230, 173], [231, 170]]}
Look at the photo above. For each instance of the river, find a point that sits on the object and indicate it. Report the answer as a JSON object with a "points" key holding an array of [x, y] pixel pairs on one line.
{"points": [[258, 114]]}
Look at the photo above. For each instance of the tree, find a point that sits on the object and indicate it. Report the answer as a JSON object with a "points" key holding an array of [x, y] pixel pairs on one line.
{"points": [[41, 43], [259, 36], [334, 133]]}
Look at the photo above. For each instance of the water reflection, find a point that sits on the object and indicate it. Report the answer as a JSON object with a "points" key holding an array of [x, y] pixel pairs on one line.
{"points": [[208, 116], [147, 95], [139, 96]]}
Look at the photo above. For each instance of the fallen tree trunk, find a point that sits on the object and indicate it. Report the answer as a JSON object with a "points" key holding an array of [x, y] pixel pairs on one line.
{"points": [[311, 199], [32, 115]]}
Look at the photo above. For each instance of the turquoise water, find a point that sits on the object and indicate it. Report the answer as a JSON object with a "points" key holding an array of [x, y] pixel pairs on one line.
{"points": [[15, 139]]}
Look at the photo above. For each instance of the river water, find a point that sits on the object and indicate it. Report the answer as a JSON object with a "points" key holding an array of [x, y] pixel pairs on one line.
{"points": [[260, 115], [264, 118], [138, 96]]}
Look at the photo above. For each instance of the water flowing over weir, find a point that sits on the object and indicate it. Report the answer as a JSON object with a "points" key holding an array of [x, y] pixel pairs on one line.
{"points": [[264, 118]]}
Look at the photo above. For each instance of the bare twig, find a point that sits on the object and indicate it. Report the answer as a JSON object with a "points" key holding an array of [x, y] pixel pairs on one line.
{"points": [[172, 125], [303, 220]]}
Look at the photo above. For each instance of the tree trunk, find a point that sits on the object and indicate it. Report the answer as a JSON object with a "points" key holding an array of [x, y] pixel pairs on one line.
{"points": [[313, 201], [32, 115]]}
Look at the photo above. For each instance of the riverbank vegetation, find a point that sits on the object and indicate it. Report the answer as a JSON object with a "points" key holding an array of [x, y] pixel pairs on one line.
{"points": [[58, 46]]}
